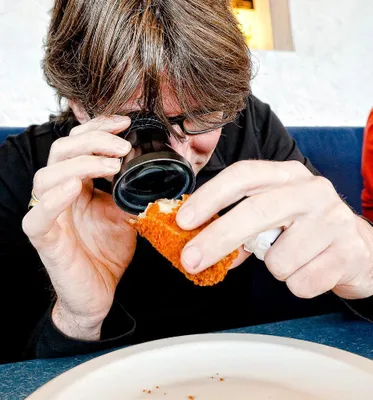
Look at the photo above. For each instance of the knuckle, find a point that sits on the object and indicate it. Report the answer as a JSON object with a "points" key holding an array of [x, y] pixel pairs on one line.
{"points": [[279, 269], [324, 185], [303, 288], [340, 214], [75, 131], [265, 207], [297, 167], [240, 168], [56, 146]]}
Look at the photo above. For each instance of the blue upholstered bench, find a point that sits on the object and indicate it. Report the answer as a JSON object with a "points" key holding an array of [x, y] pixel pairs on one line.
{"points": [[334, 151]]}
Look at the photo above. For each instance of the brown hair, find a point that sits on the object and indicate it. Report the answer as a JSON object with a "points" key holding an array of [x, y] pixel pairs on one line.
{"points": [[101, 52]]}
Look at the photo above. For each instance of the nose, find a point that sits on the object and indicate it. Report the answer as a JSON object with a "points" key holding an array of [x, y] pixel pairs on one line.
{"points": [[179, 145]]}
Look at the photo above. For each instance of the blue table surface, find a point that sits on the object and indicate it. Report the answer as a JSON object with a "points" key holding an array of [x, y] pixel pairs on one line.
{"points": [[18, 380]]}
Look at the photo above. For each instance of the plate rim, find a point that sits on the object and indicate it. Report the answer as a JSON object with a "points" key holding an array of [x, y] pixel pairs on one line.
{"points": [[362, 363]]}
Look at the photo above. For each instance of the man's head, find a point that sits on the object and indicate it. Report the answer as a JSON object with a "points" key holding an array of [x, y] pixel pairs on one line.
{"points": [[168, 57]]}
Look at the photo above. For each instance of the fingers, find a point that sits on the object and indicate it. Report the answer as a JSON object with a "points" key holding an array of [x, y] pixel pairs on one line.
{"points": [[242, 256], [81, 167], [95, 137], [245, 178], [299, 244], [41, 219], [344, 266], [254, 215], [317, 277], [92, 143], [114, 124]]}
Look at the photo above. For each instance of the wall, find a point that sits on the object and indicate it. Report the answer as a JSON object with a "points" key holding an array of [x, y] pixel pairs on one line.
{"points": [[24, 96], [328, 80]]}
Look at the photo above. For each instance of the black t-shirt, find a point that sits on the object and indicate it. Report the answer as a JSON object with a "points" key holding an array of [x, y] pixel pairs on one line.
{"points": [[153, 299]]}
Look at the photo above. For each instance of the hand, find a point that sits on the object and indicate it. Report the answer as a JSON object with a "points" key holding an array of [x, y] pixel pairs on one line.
{"points": [[84, 240], [324, 246]]}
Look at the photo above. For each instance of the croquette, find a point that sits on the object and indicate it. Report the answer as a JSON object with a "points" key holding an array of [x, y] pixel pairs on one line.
{"points": [[158, 225]]}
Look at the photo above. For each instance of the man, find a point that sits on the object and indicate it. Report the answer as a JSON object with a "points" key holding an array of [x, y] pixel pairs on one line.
{"points": [[171, 58]]}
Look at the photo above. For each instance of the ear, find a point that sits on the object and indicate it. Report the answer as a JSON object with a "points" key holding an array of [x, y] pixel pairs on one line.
{"points": [[80, 114]]}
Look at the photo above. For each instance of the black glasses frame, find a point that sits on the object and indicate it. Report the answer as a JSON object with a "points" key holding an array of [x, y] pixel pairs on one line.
{"points": [[180, 121]]}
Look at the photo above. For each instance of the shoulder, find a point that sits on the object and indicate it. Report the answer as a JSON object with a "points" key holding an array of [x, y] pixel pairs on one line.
{"points": [[259, 134], [246, 137], [31, 147], [21, 156]]}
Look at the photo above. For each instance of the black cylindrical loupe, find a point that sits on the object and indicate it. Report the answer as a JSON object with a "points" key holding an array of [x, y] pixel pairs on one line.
{"points": [[152, 170]]}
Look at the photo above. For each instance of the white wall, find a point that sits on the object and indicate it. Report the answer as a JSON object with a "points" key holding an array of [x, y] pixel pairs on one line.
{"points": [[327, 81], [24, 97]]}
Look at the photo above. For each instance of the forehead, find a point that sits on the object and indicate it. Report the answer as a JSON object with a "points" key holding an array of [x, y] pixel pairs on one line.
{"points": [[170, 103]]}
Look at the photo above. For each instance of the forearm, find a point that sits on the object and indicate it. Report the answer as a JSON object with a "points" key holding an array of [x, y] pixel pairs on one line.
{"points": [[358, 282], [363, 306]]}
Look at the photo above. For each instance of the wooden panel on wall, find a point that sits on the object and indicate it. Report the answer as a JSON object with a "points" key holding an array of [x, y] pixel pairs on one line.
{"points": [[281, 25]]}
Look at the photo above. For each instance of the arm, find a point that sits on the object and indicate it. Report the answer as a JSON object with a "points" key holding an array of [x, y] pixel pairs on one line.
{"points": [[47, 341], [26, 293], [280, 146], [24, 286], [324, 245]]}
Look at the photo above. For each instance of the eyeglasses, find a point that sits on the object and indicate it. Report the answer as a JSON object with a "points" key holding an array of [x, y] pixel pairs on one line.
{"points": [[207, 123]]}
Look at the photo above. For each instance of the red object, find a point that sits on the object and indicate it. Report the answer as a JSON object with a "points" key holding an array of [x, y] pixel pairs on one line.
{"points": [[367, 169]]}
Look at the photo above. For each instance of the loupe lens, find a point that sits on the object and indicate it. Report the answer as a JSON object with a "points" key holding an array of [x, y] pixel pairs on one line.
{"points": [[148, 182], [152, 170]]}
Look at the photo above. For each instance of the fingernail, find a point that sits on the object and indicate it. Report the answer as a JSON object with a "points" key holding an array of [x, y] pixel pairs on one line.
{"points": [[191, 257], [186, 215], [120, 118], [112, 163], [69, 185]]}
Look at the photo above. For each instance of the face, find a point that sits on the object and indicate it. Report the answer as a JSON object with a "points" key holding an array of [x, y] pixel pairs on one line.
{"points": [[197, 149]]}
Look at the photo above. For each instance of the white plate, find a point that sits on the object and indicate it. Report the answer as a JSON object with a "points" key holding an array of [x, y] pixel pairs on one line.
{"points": [[217, 367]]}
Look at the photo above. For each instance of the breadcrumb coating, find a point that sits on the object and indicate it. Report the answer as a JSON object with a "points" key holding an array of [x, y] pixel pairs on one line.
{"points": [[161, 230]]}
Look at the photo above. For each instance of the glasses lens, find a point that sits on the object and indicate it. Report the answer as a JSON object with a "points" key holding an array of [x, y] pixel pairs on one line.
{"points": [[208, 122]]}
